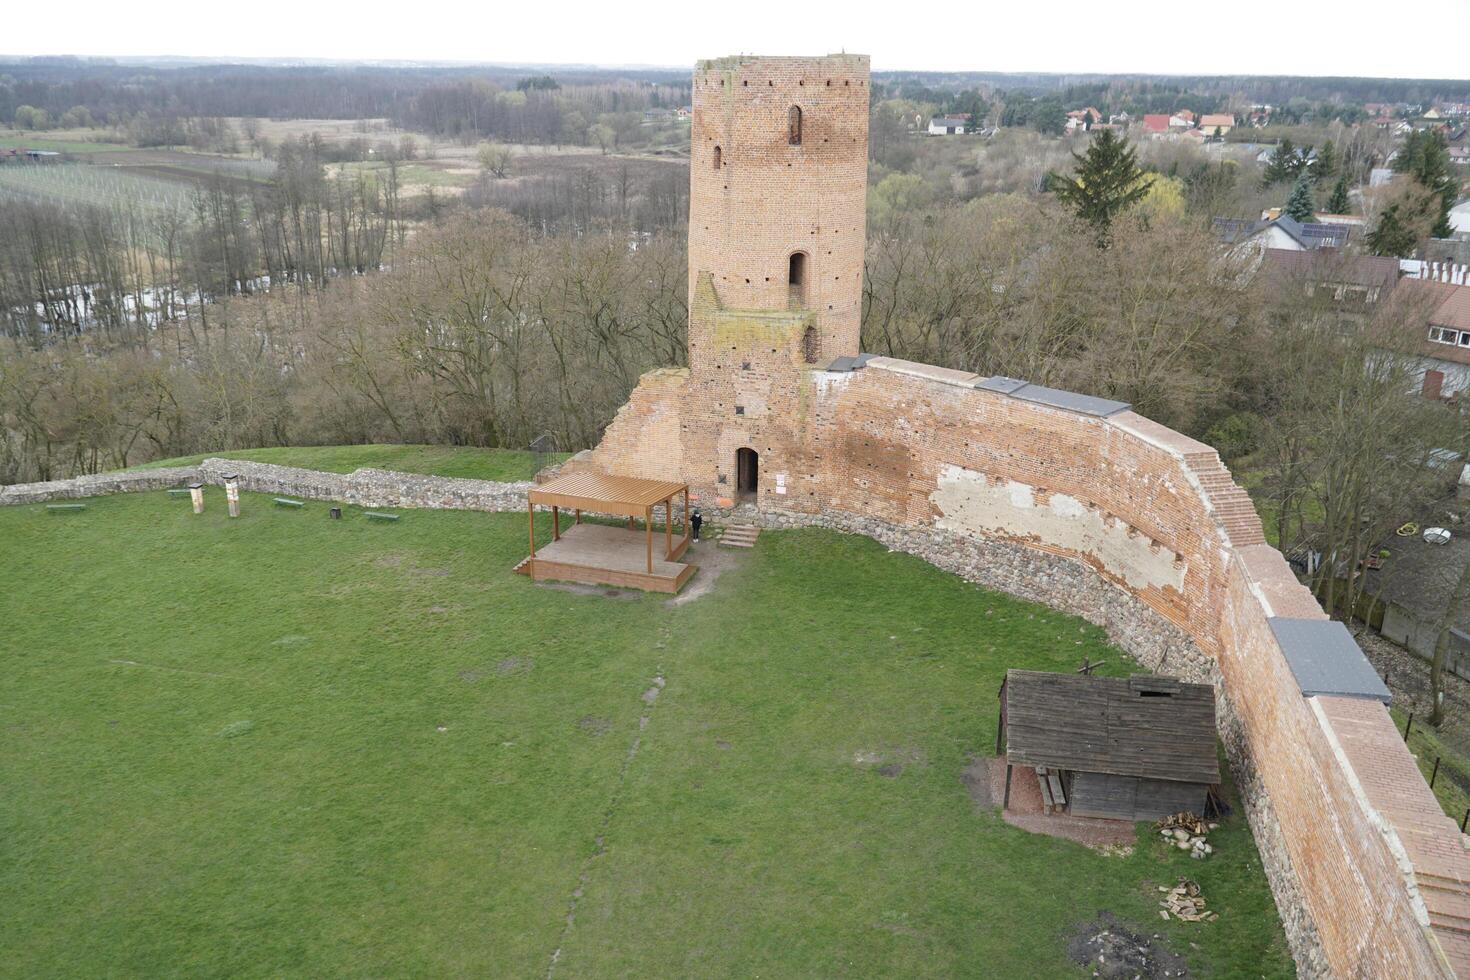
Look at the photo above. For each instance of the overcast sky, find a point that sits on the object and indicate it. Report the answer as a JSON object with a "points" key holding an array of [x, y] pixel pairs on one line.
{"points": [[1306, 37]]}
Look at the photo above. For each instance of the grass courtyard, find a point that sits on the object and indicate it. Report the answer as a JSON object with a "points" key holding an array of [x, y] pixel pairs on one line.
{"points": [[289, 746]]}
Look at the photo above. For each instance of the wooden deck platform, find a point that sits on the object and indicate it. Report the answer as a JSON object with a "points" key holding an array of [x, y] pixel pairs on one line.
{"points": [[596, 554]]}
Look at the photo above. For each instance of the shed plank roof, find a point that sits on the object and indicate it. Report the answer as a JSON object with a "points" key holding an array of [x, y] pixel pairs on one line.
{"points": [[1155, 727]]}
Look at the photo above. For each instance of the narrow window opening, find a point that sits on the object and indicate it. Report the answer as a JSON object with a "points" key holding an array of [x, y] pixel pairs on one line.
{"points": [[793, 126], [796, 269], [719, 158]]}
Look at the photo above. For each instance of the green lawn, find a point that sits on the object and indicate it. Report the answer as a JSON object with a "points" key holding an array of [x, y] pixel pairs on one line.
{"points": [[289, 746], [461, 461], [21, 141], [1452, 782]]}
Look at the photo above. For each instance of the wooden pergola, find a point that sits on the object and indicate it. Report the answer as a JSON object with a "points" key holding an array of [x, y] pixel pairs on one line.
{"points": [[602, 555]]}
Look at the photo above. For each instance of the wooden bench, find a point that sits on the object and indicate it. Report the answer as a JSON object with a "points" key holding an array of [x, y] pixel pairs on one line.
{"points": [[180, 492], [64, 508], [286, 502], [1053, 797], [373, 515]]}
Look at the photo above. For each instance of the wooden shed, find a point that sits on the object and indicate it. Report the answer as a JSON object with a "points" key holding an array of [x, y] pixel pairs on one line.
{"points": [[1138, 748]]}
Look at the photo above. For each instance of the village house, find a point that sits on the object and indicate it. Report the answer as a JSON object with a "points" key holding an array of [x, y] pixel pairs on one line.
{"points": [[1438, 313], [951, 125], [1217, 123], [1352, 282], [1282, 232], [1156, 124]]}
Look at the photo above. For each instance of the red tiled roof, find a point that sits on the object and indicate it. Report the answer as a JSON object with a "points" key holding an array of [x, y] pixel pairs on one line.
{"points": [[1156, 122]]}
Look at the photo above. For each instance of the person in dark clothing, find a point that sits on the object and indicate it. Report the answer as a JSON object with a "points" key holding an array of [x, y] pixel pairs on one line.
{"points": [[695, 520]]}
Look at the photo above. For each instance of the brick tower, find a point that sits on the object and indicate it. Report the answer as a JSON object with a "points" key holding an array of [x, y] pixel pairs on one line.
{"points": [[777, 206], [777, 193]]}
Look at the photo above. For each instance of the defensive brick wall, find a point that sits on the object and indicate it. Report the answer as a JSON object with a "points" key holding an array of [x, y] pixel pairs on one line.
{"points": [[1369, 875]]}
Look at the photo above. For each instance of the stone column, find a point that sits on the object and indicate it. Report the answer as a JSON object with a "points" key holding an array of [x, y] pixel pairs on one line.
{"points": [[196, 494], [232, 494]]}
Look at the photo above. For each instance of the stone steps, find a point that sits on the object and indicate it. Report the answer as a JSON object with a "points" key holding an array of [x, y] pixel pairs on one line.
{"points": [[739, 535]]}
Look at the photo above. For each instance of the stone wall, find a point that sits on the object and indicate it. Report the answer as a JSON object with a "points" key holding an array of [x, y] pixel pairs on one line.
{"points": [[98, 485], [364, 488]]}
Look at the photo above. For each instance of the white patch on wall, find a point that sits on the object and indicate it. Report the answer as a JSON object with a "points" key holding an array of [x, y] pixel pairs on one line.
{"points": [[971, 503], [781, 483], [831, 382]]}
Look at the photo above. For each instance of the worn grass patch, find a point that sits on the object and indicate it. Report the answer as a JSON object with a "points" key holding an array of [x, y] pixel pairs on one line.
{"points": [[275, 747]]}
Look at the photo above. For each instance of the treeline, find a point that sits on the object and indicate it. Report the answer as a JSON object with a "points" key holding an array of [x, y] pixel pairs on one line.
{"points": [[154, 107], [642, 196], [1151, 89], [128, 268], [484, 333]]}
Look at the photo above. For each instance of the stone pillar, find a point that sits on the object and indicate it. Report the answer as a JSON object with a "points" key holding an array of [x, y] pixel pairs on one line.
{"points": [[196, 494]]}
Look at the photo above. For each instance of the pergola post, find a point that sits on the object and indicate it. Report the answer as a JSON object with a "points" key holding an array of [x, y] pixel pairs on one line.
{"points": [[686, 511], [648, 530], [531, 525], [669, 528], [579, 515], [556, 523]]}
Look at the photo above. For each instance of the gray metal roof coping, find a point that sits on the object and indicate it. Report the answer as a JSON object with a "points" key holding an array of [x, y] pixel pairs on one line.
{"points": [[1001, 384], [849, 363], [1326, 660], [1055, 397]]}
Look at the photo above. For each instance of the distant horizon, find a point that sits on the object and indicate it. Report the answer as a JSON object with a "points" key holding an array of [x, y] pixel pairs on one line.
{"points": [[1249, 38], [287, 61]]}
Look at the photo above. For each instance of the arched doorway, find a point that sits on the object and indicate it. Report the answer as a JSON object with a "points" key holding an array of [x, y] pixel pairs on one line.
{"points": [[747, 472]]}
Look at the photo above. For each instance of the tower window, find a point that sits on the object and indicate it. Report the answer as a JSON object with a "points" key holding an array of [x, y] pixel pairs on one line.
{"points": [[796, 269], [719, 158], [793, 126]]}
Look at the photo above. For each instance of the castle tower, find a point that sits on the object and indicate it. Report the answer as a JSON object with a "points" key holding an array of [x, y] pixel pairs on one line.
{"points": [[777, 203], [778, 188]]}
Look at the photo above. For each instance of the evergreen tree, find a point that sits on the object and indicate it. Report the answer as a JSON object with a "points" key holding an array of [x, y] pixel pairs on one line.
{"points": [[1325, 167], [1425, 157], [1300, 204], [1108, 181], [1280, 165], [1339, 202], [1393, 235]]}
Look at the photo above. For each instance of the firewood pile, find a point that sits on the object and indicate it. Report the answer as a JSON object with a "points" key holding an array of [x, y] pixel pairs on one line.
{"points": [[1185, 903], [1187, 832]]}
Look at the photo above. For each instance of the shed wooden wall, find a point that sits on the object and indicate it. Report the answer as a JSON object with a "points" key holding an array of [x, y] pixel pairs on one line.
{"points": [[1099, 794]]}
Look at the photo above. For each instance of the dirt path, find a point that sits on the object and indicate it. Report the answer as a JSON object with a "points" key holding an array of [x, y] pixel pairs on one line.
{"points": [[649, 699]]}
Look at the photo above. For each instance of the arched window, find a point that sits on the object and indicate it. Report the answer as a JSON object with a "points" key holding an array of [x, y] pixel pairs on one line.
{"points": [[809, 349], [793, 126], [719, 157], [796, 270]]}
